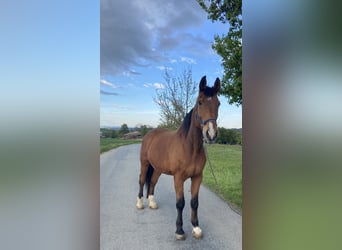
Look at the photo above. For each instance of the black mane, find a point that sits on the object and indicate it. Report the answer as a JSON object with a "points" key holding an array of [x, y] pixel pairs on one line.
{"points": [[186, 123]]}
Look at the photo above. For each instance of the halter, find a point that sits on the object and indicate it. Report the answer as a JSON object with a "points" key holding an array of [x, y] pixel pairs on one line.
{"points": [[198, 118]]}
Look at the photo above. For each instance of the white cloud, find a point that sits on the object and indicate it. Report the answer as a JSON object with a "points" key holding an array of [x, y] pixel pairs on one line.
{"points": [[188, 60], [130, 73], [156, 85], [164, 68], [109, 84], [147, 85], [159, 85], [107, 93], [105, 82]]}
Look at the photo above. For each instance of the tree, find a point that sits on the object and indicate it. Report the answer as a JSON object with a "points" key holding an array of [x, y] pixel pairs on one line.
{"points": [[114, 134], [176, 99], [144, 129], [123, 129], [229, 46], [107, 133], [229, 136]]}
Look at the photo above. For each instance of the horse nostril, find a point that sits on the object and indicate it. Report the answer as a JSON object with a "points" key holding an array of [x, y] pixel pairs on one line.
{"points": [[211, 136], [215, 136]]}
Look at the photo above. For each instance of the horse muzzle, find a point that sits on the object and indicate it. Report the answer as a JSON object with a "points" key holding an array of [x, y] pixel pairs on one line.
{"points": [[209, 132]]}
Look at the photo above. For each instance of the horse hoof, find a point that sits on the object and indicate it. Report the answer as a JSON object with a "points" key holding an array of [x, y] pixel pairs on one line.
{"points": [[140, 204], [180, 236], [197, 233], [153, 206], [151, 202]]}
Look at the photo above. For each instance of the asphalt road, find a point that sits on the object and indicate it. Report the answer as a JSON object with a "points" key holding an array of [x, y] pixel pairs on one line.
{"points": [[123, 226]]}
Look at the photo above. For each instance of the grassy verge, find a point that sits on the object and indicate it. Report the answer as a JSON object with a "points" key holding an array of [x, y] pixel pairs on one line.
{"points": [[110, 143], [226, 161]]}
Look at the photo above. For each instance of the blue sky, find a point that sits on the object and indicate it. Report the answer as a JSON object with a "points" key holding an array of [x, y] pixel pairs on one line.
{"points": [[138, 40]]}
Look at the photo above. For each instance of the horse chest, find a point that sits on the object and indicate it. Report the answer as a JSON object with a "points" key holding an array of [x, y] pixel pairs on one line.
{"points": [[193, 170]]}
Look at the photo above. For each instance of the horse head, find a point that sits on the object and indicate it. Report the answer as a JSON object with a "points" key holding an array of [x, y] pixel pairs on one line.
{"points": [[207, 106]]}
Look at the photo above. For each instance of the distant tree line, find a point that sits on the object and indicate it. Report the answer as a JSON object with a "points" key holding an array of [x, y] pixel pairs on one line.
{"points": [[225, 136], [117, 133], [229, 136]]}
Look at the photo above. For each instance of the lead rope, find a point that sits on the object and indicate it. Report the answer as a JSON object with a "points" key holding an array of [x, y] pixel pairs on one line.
{"points": [[236, 210]]}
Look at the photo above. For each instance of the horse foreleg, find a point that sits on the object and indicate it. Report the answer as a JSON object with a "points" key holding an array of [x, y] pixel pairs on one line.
{"points": [[180, 203], [195, 185]]}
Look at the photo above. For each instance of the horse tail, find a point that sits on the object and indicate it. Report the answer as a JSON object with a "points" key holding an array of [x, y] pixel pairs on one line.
{"points": [[148, 179]]}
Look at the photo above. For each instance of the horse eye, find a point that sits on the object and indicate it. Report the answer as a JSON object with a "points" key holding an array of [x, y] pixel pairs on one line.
{"points": [[199, 103]]}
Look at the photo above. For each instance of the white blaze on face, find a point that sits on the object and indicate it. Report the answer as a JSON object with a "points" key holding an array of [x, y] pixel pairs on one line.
{"points": [[211, 130]]}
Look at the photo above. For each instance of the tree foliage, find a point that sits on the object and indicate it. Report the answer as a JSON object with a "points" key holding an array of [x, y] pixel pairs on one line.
{"points": [[143, 129], [123, 129], [228, 46], [176, 99], [106, 133], [114, 134], [229, 136]]}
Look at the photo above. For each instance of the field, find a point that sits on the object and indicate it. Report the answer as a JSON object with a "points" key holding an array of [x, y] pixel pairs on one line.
{"points": [[226, 161], [110, 143]]}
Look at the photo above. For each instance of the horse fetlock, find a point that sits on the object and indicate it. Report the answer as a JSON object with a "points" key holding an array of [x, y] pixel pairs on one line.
{"points": [[180, 236], [151, 203], [140, 203], [197, 232]]}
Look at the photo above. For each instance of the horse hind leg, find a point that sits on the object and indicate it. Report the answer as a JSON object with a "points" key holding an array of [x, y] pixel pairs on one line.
{"points": [[153, 181], [142, 180]]}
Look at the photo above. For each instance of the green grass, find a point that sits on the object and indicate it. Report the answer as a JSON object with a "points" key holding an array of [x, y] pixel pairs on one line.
{"points": [[110, 143], [226, 161]]}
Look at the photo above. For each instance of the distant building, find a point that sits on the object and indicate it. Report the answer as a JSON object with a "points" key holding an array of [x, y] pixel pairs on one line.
{"points": [[132, 135]]}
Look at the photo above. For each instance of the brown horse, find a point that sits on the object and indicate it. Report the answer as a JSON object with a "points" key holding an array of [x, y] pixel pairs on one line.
{"points": [[180, 153]]}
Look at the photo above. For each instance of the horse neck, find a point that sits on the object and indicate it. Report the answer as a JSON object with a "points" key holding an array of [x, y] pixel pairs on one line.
{"points": [[196, 138]]}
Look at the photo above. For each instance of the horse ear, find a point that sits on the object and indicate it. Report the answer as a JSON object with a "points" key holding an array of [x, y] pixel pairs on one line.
{"points": [[203, 84], [217, 85]]}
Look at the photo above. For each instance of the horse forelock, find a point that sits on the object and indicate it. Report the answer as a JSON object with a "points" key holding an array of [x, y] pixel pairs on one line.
{"points": [[209, 91]]}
